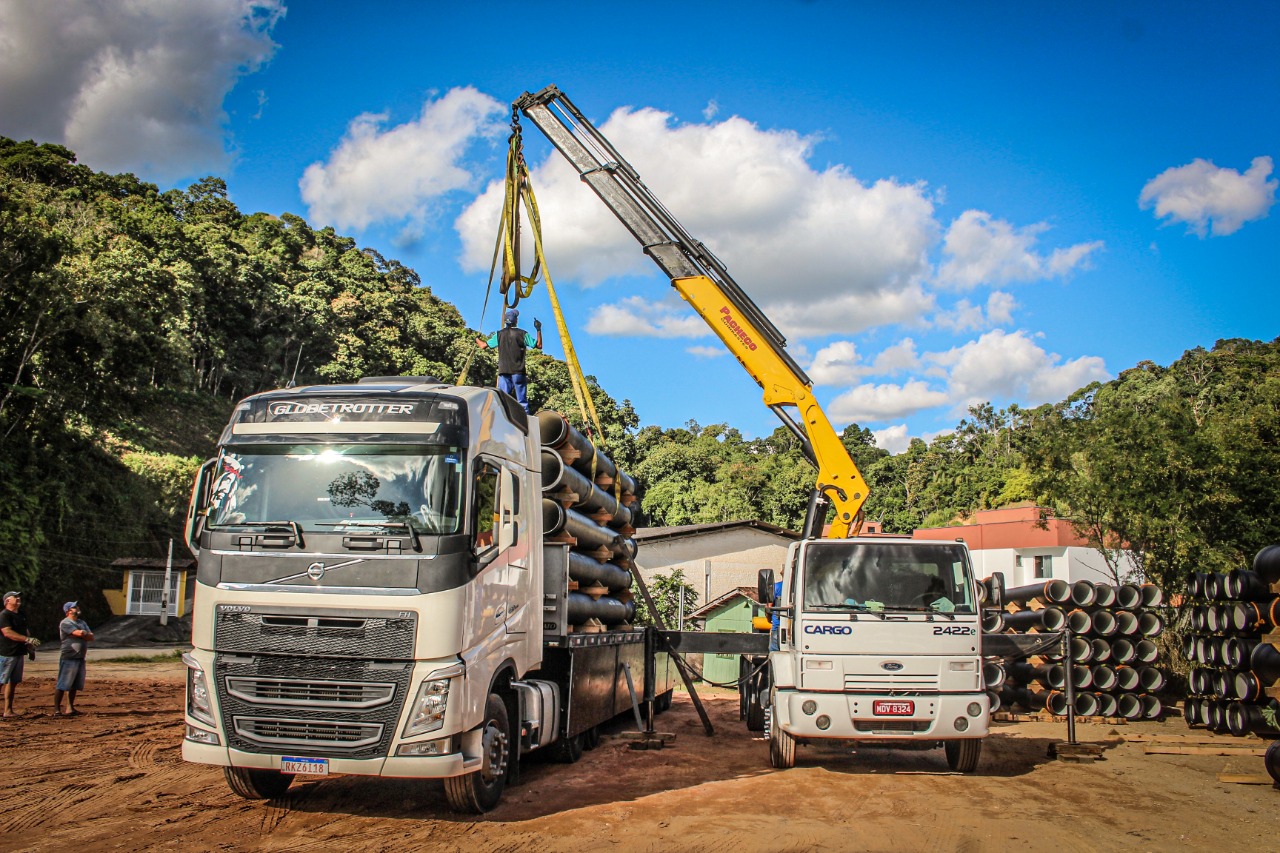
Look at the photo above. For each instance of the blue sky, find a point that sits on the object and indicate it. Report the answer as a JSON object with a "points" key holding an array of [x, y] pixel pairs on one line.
{"points": [[938, 204]]}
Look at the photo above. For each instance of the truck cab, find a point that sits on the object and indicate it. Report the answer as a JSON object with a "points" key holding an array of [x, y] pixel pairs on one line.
{"points": [[880, 639]]}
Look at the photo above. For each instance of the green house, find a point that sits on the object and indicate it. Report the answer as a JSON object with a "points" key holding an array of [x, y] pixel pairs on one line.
{"points": [[730, 614]]}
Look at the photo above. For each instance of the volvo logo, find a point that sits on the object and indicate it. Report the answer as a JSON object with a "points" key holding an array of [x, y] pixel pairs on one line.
{"points": [[891, 666], [315, 571]]}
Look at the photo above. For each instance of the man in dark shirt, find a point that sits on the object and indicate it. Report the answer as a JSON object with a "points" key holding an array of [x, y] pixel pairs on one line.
{"points": [[15, 644], [512, 343]]}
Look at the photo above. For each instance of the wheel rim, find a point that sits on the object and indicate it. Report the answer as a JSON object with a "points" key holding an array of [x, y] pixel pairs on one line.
{"points": [[494, 748]]}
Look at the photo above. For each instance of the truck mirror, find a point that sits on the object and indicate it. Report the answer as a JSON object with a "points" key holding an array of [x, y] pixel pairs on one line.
{"points": [[198, 509], [995, 590], [764, 586]]}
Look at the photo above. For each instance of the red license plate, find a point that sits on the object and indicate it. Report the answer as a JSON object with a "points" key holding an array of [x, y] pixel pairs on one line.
{"points": [[885, 708]]}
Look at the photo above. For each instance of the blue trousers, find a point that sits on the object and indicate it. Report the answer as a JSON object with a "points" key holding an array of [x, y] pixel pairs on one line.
{"points": [[517, 385]]}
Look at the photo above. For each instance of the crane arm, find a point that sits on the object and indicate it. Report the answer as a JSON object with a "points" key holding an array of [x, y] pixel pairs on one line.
{"points": [[704, 282]]}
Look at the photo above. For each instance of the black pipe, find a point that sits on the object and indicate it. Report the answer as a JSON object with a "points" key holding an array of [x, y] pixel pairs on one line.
{"points": [[1129, 706], [1150, 624], [592, 499], [1244, 585], [1052, 591], [1128, 596], [1152, 707], [1224, 684], [581, 607], [1049, 674], [1127, 678], [1104, 679], [1045, 619], [1236, 652], [1243, 719], [993, 675], [1267, 564], [1106, 704], [1104, 595], [1213, 586], [589, 534], [1083, 594], [553, 517], [993, 621], [588, 570], [1151, 679], [557, 433], [1146, 651], [1248, 686], [1101, 650], [1126, 623], [1265, 661], [1102, 623], [1152, 595], [1122, 651], [1079, 621]]}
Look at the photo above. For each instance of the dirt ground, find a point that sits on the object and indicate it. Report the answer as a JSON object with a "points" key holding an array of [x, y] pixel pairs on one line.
{"points": [[113, 779]]}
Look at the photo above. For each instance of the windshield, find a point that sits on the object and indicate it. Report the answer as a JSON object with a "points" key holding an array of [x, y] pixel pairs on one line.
{"points": [[340, 486], [907, 576]]}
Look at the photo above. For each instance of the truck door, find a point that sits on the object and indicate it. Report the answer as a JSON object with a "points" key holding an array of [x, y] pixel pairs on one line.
{"points": [[514, 545], [492, 542]]}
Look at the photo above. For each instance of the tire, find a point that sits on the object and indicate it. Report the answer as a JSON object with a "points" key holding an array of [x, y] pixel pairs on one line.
{"points": [[1272, 761], [755, 713], [569, 750], [963, 755], [782, 748], [257, 784], [479, 791], [662, 703], [591, 738]]}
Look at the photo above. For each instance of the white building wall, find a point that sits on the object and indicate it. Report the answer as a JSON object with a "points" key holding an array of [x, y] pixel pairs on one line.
{"points": [[714, 563], [1068, 563]]}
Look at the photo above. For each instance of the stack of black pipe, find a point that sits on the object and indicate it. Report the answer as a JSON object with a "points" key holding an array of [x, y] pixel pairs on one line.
{"points": [[1113, 659], [1233, 659], [590, 504]]}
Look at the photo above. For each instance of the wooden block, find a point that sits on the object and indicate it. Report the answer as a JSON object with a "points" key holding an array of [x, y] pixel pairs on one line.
{"points": [[1245, 779], [1170, 749], [595, 591], [1080, 752]]}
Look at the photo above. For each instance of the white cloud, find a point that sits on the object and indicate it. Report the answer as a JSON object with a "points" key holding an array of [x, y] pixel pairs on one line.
{"points": [[1003, 366], [965, 316], [982, 250], [707, 352], [894, 439], [897, 358], [1211, 199], [885, 402], [836, 364], [819, 250], [637, 316], [378, 174], [131, 86]]}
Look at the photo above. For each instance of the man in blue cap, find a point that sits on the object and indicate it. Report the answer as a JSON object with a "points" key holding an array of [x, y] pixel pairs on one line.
{"points": [[512, 343]]}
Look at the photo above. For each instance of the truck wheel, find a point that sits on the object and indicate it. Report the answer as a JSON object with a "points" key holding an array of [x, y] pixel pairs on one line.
{"points": [[662, 704], [782, 748], [962, 755], [479, 791], [755, 713], [257, 784], [591, 738], [569, 750]]}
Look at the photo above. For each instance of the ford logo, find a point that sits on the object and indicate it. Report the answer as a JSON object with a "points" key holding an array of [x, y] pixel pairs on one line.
{"points": [[315, 571], [891, 666]]}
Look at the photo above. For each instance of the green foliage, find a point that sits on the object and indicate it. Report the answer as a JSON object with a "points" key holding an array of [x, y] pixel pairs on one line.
{"points": [[666, 591]]}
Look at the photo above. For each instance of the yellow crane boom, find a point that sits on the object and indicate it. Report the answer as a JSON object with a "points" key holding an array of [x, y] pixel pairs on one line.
{"points": [[704, 282]]}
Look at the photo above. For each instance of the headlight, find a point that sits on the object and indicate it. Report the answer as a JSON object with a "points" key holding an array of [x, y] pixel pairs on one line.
{"points": [[199, 705], [427, 713]]}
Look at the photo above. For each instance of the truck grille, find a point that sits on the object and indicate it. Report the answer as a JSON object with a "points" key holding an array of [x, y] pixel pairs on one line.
{"points": [[307, 733], [886, 683], [892, 726], [316, 694], [335, 707], [378, 637]]}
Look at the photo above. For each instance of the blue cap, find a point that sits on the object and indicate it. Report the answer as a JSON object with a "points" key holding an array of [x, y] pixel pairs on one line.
{"points": [[511, 316], [69, 605]]}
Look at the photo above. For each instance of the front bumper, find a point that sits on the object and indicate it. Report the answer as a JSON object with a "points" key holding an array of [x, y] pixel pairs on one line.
{"points": [[851, 716], [415, 767]]}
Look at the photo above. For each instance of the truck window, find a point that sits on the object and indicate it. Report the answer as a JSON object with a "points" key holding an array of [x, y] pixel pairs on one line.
{"points": [[484, 504], [328, 487], [911, 576]]}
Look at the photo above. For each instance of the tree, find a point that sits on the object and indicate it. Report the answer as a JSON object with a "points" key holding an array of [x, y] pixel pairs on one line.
{"points": [[667, 591]]}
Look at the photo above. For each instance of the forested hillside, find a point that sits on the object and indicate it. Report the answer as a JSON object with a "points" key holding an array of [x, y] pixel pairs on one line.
{"points": [[131, 319]]}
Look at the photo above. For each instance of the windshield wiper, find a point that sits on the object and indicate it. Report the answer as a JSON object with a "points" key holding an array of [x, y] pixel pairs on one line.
{"points": [[292, 525], [395, 525]]}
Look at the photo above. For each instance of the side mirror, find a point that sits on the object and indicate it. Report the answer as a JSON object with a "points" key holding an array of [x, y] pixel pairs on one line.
{"points": [[995, 590], [198, 509], [764, 586]]}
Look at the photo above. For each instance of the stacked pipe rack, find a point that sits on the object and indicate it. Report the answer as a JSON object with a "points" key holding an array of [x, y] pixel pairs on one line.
{"points": [[1110, 652], [589, 505], [1234, 647]]}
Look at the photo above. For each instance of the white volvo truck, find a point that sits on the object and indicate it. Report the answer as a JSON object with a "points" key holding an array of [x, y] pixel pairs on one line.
{"points": [[374, 597]]}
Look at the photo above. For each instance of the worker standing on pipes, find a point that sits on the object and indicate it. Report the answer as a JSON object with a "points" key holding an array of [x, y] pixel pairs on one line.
{"points": [[512, 343]]}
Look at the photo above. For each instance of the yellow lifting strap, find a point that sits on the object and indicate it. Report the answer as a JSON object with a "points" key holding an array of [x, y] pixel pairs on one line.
{"points": [[520, 189]]}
